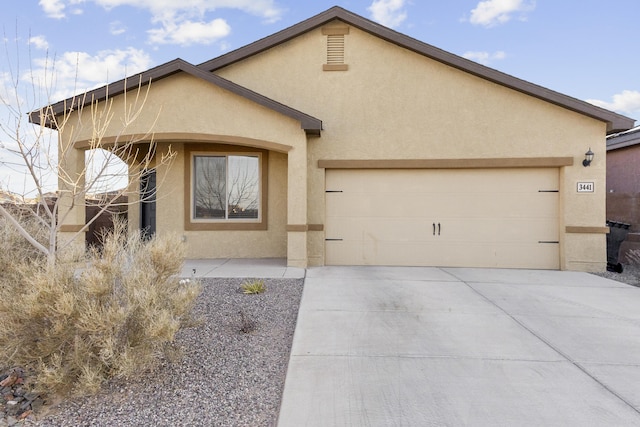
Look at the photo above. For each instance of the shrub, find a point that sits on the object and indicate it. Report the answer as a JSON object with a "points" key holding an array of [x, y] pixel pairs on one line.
{"points": [[247, 324], [114, 318], [633, 257], [253, 287], [16, 250]]}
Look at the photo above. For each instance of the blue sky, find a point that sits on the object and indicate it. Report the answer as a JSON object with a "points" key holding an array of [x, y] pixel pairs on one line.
{"points": [[587, 49]]}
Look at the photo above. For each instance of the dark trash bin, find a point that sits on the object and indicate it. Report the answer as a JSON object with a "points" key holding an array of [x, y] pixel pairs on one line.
{"points": [[617, 233]]}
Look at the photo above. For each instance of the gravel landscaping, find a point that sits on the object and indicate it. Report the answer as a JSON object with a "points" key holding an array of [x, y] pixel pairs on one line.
{"points": [[225, 377], [630, 275], [231, 370]]}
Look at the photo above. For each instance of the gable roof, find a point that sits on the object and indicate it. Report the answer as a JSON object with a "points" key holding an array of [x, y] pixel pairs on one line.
{"points": [[310, 124], [615, 122]]}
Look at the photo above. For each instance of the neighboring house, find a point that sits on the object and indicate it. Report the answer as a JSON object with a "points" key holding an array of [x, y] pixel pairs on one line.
{"points": [[341, 141], [105, 218], [623, 194], [623, 178]]}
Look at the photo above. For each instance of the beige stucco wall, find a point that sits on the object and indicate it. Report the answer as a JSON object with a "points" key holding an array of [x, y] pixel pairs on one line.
{"points": [[393, 103], [224, 243], [390, 104], [181, 109]]}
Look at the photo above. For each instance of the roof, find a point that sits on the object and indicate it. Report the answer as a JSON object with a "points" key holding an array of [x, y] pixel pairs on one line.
{"points": [[623, 139], [615, 122], [310, 124]]}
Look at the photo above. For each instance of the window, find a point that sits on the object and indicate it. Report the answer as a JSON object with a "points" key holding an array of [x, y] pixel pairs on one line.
{"points": [[226, 187]]}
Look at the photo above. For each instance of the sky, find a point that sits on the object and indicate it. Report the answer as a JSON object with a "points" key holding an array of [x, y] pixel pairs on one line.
{"points": [[586, 49]]}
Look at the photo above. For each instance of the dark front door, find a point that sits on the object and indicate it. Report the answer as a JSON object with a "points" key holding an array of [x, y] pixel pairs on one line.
{"points": [[148, 203]]}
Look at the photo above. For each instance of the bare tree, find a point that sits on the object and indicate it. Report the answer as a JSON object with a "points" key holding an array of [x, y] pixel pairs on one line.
{"points": [[34, 151]]}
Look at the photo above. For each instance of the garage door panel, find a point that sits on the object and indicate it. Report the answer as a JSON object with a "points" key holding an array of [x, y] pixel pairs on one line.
{"points": [[381, 229], [487, 231], [487, 218], [452, 254], [492, 230], [494, 204], [444, 180], [500, 255]]}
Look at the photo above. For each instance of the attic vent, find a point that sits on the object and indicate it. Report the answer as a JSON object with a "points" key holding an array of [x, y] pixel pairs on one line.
{"points": [[335, 48]]}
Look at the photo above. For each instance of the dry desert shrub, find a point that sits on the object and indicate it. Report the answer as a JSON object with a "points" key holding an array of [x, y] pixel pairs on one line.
{"points": [[15, 250], [633, 257], [114, 318]]}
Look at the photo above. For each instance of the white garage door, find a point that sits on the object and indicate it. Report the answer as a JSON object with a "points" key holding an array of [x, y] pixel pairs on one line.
{"points": [[505, 218]]}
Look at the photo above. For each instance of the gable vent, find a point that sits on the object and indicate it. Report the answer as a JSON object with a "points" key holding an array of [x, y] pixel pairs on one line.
{"points": [[335, 48]]}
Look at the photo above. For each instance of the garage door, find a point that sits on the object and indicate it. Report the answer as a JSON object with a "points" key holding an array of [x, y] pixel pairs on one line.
{"points": [[506, 218]]}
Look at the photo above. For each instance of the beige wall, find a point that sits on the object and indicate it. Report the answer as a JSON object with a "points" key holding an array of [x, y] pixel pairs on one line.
{"points": [[171, 212], [392, 103], [182, 109]]}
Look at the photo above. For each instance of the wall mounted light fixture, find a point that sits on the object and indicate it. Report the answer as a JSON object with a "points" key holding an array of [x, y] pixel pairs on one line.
{"points": [[588, 158]]}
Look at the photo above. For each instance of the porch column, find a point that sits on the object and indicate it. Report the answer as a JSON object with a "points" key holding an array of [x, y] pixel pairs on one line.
{"points": [[297, 207], [71, 205]]}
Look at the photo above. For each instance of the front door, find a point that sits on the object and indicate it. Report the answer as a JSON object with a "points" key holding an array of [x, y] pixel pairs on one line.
{"points": [[148, 203]]}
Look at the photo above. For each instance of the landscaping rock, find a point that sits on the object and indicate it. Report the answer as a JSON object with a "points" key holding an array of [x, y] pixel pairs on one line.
{"points": [[18, 404]]}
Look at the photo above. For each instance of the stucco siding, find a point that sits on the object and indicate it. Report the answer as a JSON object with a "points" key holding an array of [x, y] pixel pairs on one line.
{"points": [[183, 108], [395, 104], [270, 243], [389, 103]]}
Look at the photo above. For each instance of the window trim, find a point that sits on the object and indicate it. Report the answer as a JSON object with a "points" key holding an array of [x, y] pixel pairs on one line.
{"points": [[193, 224]]}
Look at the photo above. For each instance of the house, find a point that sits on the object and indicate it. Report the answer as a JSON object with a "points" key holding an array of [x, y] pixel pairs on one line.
{"points": [[623, 179], [623, 192], [341, 141]]}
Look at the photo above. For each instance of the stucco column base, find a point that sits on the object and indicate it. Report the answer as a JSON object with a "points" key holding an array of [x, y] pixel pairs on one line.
{"points": [[297, 249], [588, 252]]}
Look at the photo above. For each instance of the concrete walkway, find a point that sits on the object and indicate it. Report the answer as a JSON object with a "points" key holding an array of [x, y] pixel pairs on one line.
{"points": [[264, 268], [379, 346]]}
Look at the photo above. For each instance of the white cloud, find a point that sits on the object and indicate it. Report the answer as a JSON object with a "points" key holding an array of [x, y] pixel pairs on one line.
{"points": [[56, 8], [490, 13], [484, 58], [39, 42], [166, 9], [76, 72], [186, 33], [178, 15], [388, 12], [53, 8], [626, 102], [116, 28]]}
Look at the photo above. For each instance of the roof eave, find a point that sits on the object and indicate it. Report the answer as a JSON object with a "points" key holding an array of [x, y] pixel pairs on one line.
{"points": [[624, 140], [45, 116]]}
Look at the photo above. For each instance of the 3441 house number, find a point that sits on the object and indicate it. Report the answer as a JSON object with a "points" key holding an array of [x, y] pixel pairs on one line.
{"points": [[586, 187]]}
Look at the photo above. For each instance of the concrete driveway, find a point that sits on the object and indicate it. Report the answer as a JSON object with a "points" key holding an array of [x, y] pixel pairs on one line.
{"points": [[385, 346]]}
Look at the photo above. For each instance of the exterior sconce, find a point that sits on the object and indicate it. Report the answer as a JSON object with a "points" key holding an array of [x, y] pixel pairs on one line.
{"points": [[588, 158]]}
